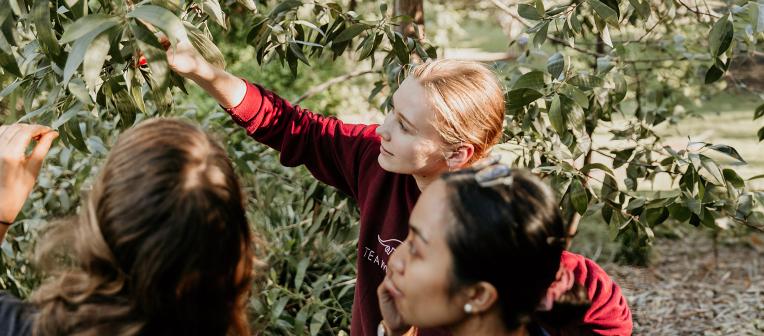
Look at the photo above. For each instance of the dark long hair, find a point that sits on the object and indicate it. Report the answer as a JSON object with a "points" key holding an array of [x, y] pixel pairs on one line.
{"points": [[511, 235], [162, 245]]}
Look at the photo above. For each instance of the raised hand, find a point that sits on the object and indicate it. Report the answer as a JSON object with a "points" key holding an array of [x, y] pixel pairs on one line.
{"points": [[185, 60], [18, 171], [392, 318]]}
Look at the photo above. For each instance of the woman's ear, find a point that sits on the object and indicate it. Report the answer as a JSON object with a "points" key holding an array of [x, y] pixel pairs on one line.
{"points": [[459, 157], [482, 296]]}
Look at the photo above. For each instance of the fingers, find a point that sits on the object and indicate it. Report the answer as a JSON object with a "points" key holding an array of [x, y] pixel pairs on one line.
{"points": [[164, 41], [23, 136], [41, 151]]}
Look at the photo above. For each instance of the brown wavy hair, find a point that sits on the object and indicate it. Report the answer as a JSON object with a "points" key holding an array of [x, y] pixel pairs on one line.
{"points": [[162, 245]]}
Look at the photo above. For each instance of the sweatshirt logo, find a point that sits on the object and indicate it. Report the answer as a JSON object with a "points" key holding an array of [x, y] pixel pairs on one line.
{"points": [[388, 244], [381, 259]]}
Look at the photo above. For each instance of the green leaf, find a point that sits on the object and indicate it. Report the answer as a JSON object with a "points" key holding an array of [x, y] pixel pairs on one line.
{"points": [[78, 51], [44, 27], [619, 92], [710, 166], [126, 107], [575, 95], [641, 7], [679, 212], [759, 111], [212, 8], [555, 115], [760, 134], [163, 19], [604, 65], [72, 129], [297, 51], [284, 6], [94, 60], [205, 46], [300, 319], [605, 35], [350, 32], [278, 308], [8, 62], [248, 4], [732, 177], [541, 34], [586, 81], [599, 166], [555, 65], [401, 50], [540, 7], [609, 189], [720, 36], [605, 12], [655, 216], [64, 118], [517, 98], [713, 74], [155, 55], [528, 12], [730, 151], [317, 321], [744, 206], [578, 196], [88, 24], [531, 80], [300, 274], [311, 26]]}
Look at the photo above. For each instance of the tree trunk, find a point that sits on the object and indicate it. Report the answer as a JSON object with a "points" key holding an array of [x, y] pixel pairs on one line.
{"points": [[413, 26]]}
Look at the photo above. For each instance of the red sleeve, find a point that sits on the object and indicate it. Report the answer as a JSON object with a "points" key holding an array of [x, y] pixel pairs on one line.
{"points": [[609, 313], [330, 149]]}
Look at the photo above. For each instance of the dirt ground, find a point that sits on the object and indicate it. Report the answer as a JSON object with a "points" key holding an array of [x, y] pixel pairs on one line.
{"points": [[687, 292]]}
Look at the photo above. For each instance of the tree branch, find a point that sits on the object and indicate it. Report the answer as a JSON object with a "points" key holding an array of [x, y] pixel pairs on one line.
{"points": [[509, 12], [325, 85], [696, 10]]}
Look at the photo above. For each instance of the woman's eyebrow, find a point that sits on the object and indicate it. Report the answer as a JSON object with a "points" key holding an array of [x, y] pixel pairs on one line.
{"points": [[418, 232]]}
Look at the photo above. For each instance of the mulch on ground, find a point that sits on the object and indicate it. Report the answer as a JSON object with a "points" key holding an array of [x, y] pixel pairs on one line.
{"points": [[687, 292]]}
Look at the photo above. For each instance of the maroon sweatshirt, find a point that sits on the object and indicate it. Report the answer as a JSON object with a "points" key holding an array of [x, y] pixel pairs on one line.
{"points": [[345, 157]]}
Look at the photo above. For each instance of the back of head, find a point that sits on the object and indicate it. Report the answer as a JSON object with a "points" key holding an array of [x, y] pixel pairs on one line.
{"points": [[508, 231], [162, 245], [468, 101]]}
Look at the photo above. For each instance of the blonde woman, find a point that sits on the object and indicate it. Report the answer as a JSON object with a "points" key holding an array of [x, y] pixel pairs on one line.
{"points": [[447, 114]]}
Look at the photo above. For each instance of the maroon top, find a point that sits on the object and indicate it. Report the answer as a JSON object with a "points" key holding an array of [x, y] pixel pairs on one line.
{"points": [[345, 157]]}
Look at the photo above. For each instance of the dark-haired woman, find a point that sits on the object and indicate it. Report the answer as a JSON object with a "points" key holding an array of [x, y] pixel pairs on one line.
{"points": [[483, 257], [161, 246]]}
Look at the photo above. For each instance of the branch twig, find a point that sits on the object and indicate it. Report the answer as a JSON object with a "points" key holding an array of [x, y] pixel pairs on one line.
{"points": [[325, 85], [696, 11]]}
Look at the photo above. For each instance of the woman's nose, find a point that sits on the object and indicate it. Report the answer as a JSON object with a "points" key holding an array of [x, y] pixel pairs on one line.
{"points": [[382, 130], [396, 263]]}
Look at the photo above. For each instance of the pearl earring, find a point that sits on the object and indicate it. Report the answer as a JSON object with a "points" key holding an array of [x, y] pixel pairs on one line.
{"points": [[468, 308]]}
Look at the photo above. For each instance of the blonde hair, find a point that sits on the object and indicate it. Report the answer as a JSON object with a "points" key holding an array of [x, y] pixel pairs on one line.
{"points": [[468, 100]]}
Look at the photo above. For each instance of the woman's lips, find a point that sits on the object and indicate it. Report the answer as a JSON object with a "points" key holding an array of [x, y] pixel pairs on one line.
{"points": [[385, 151]]}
